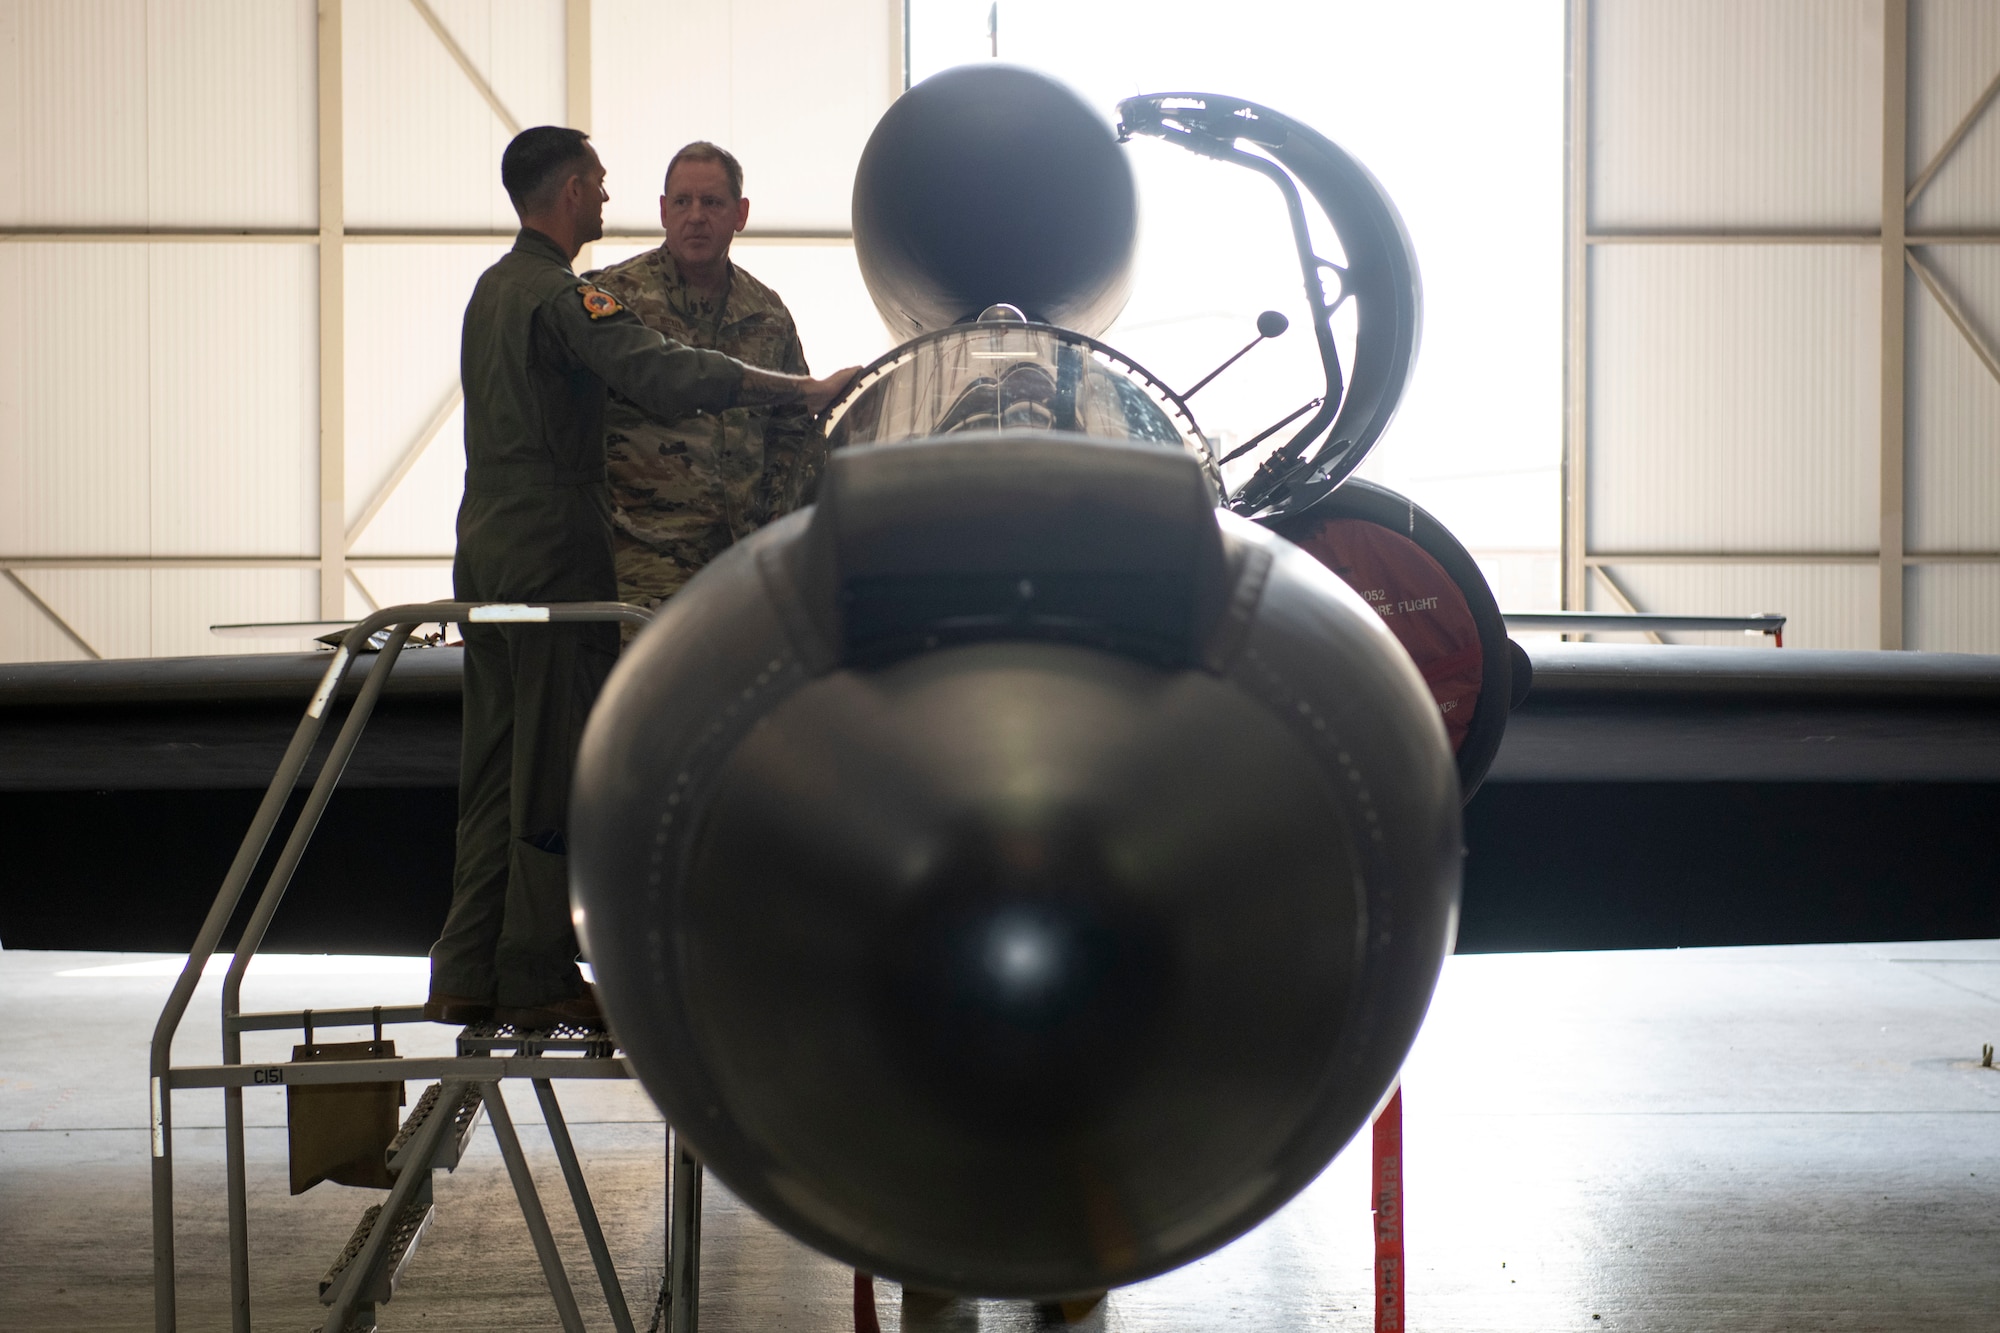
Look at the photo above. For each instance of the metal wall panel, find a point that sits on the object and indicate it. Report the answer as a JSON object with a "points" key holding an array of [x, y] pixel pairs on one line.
{"points": [[187, 601], [794, 58], [1830, 606], [819, 282], [1733, 398], [112, 609], [13, 120], [423, 147], [1722, 113], [14, 338], [748, 75], [1954, 56], [392, 585], [1954, 410], [160, 400], [420, 517], [234, 420], [26, 635], [641, 112], [74, 336], [405, 304], [152, 612], [1954, 608], [1523, 580], [230, 113], [187, 112], [821, 285], [63, 58]]}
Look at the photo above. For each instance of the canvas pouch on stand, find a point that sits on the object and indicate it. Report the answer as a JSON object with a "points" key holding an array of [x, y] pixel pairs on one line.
{"points": [[341, 1131]]}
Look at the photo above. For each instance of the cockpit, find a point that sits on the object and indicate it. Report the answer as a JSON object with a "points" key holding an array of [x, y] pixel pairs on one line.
{"points": [[1001, 374]]}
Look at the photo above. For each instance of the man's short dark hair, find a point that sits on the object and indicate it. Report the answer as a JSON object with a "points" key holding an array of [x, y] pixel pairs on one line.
{"points": [[701, 150], [536, 161]]}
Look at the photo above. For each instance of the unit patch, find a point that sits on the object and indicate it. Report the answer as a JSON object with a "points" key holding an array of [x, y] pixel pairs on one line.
{"points": [[598, 303]]}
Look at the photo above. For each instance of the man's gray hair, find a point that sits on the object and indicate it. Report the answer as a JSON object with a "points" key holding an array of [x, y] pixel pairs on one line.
{"points": [[701, 150]]}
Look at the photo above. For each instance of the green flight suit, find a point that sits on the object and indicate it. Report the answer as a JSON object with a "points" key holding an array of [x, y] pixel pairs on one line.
{"points": [[538, 351]]}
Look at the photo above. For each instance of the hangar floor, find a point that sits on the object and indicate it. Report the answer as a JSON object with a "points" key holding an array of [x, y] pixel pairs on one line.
{"points": [[1768, 1139]]}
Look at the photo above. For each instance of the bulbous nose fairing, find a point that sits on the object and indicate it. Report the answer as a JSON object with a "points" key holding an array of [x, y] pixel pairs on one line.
{"points": [[991, 184], [1047, 929]]}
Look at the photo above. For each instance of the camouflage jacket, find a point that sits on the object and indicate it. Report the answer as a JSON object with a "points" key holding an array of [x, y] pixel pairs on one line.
{"points": [[541, 355], [688, 486]]}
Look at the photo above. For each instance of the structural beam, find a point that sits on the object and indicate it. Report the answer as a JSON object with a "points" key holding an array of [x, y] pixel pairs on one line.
{"points": [[332, 322], [1624, 599], [1952, 140], [899, 48], [178, 235], [1596, 558], [577, 90], [206, 561], [1576, 312], [419, 559], [576, 65], [50, 614], [403, 466], [1699, 236], [1910, 558], [1894, 407], [1732, 236], [383, 236], [367, 597], [465, 64], [1954, 312]]}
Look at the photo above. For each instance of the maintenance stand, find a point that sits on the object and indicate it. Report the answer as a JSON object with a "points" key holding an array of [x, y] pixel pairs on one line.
{"points": [[434, 1135]]}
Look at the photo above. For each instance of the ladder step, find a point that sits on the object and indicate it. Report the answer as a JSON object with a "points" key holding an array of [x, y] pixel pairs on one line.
{"points": [[465, 1118], [410, 1228], [563, 1040]]}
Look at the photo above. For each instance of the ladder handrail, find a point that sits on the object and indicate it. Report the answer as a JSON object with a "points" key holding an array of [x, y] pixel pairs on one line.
{"points": [[401, 621]]}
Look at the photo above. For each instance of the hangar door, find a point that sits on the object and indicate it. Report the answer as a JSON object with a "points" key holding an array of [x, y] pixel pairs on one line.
{"points": [[237, 236], [1783, 309]]}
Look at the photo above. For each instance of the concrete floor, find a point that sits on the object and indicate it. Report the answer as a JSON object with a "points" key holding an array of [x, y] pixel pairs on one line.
{"points": [[1744, 1139]]}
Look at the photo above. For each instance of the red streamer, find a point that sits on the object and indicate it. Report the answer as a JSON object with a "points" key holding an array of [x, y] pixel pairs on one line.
{"points": [[864, 1303], [1388, 1208]]}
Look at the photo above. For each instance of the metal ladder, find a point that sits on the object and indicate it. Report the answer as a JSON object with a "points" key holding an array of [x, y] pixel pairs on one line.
{"points": [[434, 1135]]}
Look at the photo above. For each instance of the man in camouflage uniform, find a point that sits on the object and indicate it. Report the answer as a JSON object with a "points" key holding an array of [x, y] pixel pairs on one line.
{"points": [[540, 352], [684, 488]]}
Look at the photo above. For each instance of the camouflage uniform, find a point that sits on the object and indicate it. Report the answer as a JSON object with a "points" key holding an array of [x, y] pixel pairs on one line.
{"points": [[683, 489], [539, 354]]}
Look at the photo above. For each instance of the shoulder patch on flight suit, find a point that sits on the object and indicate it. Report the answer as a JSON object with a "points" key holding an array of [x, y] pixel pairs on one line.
{"points": [[598, 303]]}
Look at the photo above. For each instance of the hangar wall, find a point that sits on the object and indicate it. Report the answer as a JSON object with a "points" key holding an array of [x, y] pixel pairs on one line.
{"points": [[1750, 424], [233, 260], [1783, 391]]}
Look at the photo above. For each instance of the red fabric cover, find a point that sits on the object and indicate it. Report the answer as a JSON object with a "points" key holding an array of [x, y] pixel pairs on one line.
{"points": [[1421, 604]]}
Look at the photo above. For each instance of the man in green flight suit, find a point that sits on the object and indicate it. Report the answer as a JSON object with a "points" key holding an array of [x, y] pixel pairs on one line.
{"points": [[539, 350], [683, 490]]}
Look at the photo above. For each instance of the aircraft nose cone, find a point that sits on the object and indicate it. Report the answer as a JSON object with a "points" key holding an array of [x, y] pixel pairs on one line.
{"points": [[1025, 941], [991, 183], [1015, 947], [1049, 974]]}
